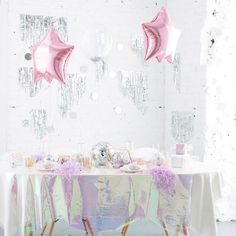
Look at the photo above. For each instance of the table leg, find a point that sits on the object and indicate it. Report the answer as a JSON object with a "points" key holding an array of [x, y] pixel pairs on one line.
{"points": [[185, 230], [43, 229], [87, 226], [124, 230], [90, 227], [52, 227], [125, 227], [177, 230], [165, 228]]}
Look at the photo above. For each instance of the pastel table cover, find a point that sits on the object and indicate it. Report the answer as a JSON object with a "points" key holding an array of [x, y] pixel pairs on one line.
{"points": [[107, 197]]}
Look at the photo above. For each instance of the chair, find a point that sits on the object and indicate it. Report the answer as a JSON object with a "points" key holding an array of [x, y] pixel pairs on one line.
{"points": [[54, 206], [105, 202], [175, 209]]}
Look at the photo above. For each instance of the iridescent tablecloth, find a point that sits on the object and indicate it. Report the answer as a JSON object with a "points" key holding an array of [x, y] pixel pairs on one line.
{"points": [[107, 197]]}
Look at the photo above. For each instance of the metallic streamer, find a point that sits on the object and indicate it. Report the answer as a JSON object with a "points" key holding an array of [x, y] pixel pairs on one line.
{"points": [[34, 27], [177, 72], [101, 67], [26, 81], [134, 84], [137, 44], [182, 126], [38, 122], [69, 94]]}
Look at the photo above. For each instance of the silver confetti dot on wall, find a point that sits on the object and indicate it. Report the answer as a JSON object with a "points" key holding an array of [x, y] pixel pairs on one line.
{"points": [[28, 56]]}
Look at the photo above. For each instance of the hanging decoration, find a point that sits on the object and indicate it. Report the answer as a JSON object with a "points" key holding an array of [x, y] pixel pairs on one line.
{"points": [[177, 72], [50, 57], [161, 38], [26, 81], [137, 44], [34, 27], [134, 84], [69, 94], [38, 122], [182, 126], [97, 45]]}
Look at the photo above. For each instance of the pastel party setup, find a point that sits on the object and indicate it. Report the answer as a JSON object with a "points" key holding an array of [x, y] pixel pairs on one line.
{"points": [[106, 123]]}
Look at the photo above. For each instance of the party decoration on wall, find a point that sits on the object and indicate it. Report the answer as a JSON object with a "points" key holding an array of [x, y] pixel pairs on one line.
{"points": [[134, 85], [177, 72], [137, 44], [97, 45], [34, 27], [26, 81], [182, 124], [38, 122], [69, 94], [49, 57], [161, 37]]}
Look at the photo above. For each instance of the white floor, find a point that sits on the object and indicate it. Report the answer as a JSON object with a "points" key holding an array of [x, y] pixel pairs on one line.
{"points": [[140, 229]]}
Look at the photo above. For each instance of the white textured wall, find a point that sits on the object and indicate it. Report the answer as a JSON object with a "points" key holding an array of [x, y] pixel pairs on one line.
{"points": [[189, 16], [96, 120], [3, 76]]}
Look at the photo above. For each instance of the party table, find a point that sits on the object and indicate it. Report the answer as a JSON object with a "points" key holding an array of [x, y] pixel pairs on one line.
{"points": [[38, 197]]}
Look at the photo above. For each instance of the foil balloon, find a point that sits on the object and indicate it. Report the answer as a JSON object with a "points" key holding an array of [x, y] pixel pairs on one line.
{"points": [[160, 38], [49, 57], [97, 45]]}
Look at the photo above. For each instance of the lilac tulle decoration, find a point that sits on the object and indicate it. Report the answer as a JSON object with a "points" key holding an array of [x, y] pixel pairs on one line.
{"points": [[164, 179], [68, 169], [38, 157]]}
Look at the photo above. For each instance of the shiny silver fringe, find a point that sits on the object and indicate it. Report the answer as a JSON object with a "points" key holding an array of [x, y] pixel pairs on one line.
{"points": [[137, 44], [26, 81], [177, 72], [134, 85], [101, 67], [70, 93], [182, 126], [34, 27], [38, 122]]}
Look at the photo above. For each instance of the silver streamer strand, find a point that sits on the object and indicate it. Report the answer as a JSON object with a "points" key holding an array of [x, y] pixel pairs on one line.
{"points": [[177, 72], [34, 27], [137, 44], [26, 81], [182, 126], [101, 67], [70, 93], [38, 122], [135, 85]]}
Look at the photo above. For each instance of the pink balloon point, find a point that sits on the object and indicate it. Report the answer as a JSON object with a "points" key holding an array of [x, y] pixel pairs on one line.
{"points": [[160, 38], [50, 57]]}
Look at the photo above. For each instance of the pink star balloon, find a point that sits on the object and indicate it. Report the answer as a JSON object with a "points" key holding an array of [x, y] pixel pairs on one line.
{"points": [[161, 37], [50, 57]]}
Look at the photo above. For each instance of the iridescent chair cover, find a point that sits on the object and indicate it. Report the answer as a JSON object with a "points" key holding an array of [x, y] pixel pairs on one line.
{"points": [[174, 210], [141, 189], [23, 190], [47, 200], [105, 201]]}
